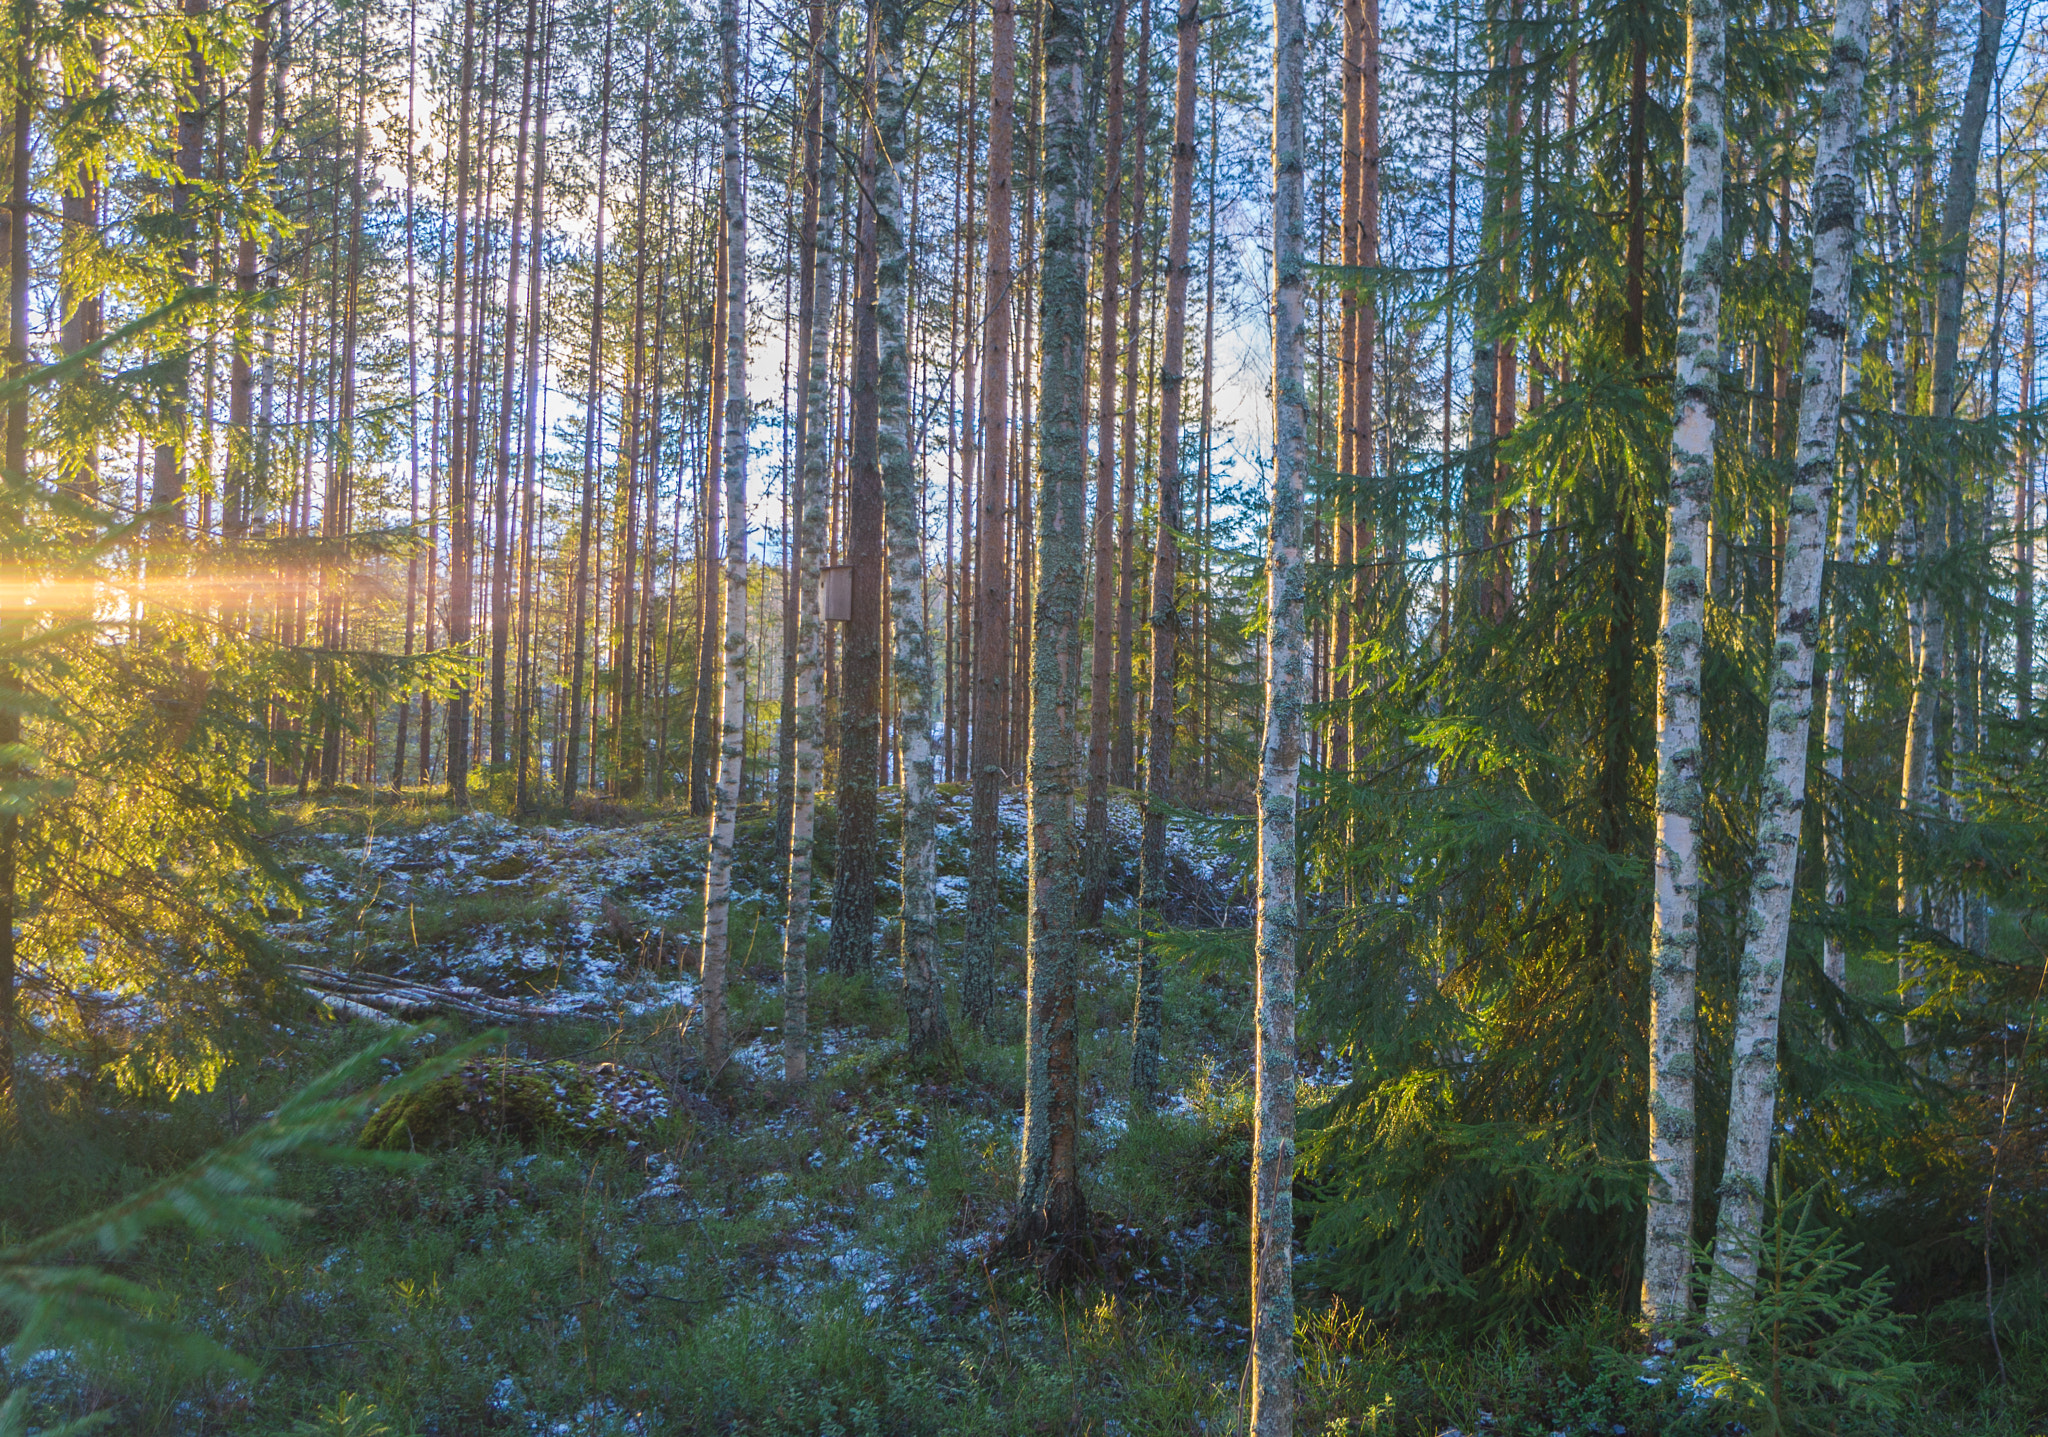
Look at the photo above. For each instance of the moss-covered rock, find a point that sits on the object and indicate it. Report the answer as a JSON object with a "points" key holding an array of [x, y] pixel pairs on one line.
{"points": [[521, 1099]]}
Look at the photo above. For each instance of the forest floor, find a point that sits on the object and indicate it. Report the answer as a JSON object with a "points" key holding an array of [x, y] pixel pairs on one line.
{"points": [[670, 1251]]}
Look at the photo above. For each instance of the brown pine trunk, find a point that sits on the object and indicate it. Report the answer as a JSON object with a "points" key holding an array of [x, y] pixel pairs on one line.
{"points": [[851, 949], [1148, 1018], [167, 484], [992, 564], [461, 516], [701, 731], [1123, 756], [501, 499], [530, 507], [412, 357], [580, 638]]}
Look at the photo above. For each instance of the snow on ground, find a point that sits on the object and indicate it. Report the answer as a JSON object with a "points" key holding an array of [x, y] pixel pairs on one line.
{"points": [[565, 892]]}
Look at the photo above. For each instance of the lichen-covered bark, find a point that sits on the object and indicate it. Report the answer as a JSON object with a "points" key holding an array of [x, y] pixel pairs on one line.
{"points": [[1278, 918], [991, 559], [808, 725], [1753, 1080], [1051, 1217], [732, 717], [1148, 1016], [1667, 1243], [923, 1006]]}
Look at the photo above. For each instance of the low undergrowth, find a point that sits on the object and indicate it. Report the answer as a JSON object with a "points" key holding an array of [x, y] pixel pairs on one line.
{"points": [[739, 1257]]}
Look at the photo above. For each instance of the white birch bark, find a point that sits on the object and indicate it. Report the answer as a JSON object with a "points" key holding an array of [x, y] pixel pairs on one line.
{"points": [[1667, 1241], [1760, 983], [923, 1006], [1052, 1214], [1278, 921], [808, 725], [732, 717]]}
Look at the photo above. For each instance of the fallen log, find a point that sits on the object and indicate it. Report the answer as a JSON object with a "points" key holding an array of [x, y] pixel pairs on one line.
{"points": [[363, 994]]}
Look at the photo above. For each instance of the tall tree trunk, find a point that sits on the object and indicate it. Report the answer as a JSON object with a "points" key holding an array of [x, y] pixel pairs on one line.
{"points": [[1102, 651], [1638, 151], [1278, 922], [1149, 1014], [2023, 497], [461, 516], [991, 561], [814, 458], [1474, 530], [501, 498], [1674, 966], [1122, 757], [1942, 517], [167, 484], [14, 454], [707, 588], [335, 579], [530, 458], [412, 347], [81, 302], [732, 725], [1835, 956], [902, 490], [1051, 1215], [593, 397], [628, 591], [1752, 1098], [851, 947]]}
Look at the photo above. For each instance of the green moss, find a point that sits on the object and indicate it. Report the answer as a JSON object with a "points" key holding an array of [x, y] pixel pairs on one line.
{"points": [[520, 1099]]}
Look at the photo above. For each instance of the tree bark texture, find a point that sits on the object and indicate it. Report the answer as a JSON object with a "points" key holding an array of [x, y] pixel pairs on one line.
{"points": [[1148, 1016], [1753, 1080], [1674, 960], [815, 462], [1052, 1217], [991, 704], [733, 709], [902, 485], [1102, 651], [572, 749], [851, 948], [1277, 918]]}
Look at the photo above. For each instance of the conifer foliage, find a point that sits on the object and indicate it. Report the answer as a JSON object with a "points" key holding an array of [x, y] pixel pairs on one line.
{"points": [[1564, 501]]}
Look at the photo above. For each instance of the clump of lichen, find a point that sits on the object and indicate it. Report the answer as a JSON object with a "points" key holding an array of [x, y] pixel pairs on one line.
{"points": [[524, 1100]]}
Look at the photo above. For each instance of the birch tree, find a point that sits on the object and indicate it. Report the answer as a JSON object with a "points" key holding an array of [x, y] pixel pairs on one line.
{"points": [[733, 715], [1051, 1219], [923, 1006], [1667, 1244], [814, 460], [1278, 923], [1753, 1081]]}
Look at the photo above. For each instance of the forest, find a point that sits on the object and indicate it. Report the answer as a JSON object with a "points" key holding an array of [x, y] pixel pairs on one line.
{"points": [[1086, 716]]}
